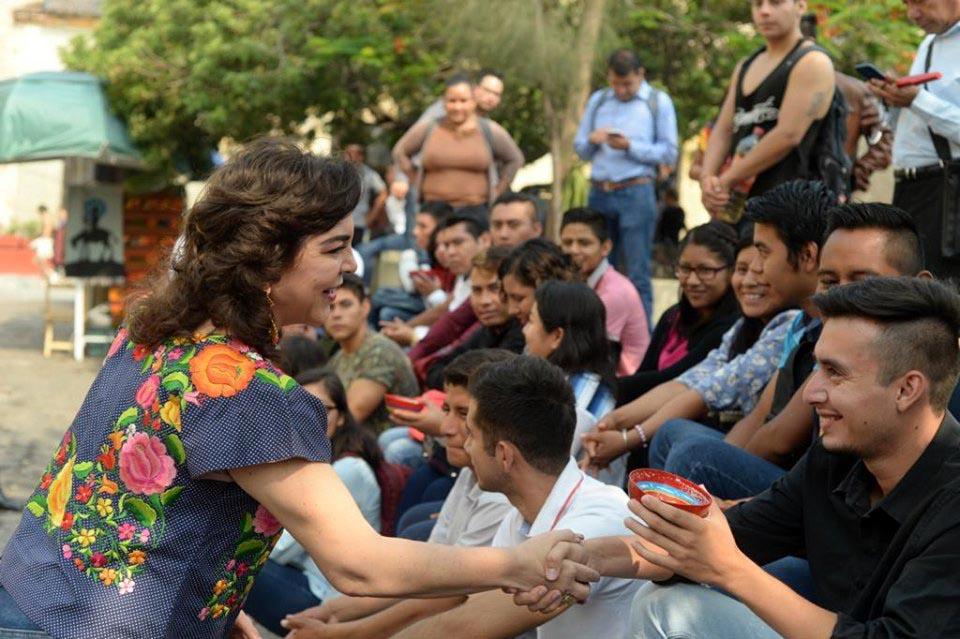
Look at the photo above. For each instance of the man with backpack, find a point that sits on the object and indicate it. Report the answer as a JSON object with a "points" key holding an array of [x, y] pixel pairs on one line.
{"points": [[781, 120], [628, 130]]}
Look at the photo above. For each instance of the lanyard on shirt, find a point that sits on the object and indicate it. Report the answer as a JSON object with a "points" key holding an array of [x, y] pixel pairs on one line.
{"points": [[566, 504]]}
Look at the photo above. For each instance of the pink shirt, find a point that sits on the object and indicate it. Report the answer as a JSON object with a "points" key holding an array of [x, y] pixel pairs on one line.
{"points": [[626, 319]]}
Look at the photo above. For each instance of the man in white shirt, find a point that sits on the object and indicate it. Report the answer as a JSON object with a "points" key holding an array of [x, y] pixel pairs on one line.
{"points": [[519, 431], [926, 145]]}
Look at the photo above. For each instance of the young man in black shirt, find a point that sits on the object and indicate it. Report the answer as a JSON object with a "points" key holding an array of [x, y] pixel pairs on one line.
{"points": [[874, 504]]}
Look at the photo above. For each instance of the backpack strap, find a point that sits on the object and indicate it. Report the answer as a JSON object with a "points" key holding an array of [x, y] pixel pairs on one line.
{"points": [[940, 144], [653, 103], [604, 96]]}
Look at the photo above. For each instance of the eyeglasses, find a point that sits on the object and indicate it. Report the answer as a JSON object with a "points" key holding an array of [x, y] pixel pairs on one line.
{"points": [[704, 273]]}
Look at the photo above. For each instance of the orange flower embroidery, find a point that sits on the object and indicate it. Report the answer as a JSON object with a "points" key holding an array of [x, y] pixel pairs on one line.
{"points": [[220, 371]]}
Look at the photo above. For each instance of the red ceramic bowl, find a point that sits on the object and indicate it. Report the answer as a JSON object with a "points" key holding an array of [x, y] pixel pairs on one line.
{"points": [[671, 489]]}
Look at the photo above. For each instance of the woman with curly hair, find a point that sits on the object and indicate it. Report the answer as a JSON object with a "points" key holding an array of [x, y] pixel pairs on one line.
{"points": [[192, 451]]}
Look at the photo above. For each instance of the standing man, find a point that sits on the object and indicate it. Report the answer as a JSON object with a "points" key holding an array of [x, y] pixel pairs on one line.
{"points": [[927, 143], [771, 117], [373, 193], [628, 130]]}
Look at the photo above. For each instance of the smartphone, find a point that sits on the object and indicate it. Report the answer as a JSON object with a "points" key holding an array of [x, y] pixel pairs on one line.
{"points": [[616, 132], [404, 403], [923, 78], [869, 71]]}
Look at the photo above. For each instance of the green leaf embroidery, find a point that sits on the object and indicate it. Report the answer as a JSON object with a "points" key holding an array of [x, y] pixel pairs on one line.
{"points": [[175, 448], [36, 508], [147, 363], [176, 381], [141, 511], [188, 355], [155, 502], [169, 495], [269, 377], [287, 383], [82, 469], [128, 416], [249, 548], [247, 523]]}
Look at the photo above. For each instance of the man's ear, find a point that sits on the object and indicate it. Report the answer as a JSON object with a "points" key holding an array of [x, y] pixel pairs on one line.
{"points": [[606, 247], [507, 455], [365, 308], [911, 389], [484, 240], [808, 259]]}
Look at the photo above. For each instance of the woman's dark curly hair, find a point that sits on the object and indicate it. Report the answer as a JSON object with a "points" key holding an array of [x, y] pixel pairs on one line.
{"points": [[239, 238]]}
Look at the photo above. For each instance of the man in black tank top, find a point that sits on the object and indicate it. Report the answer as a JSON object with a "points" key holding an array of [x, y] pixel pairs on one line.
{"points": [[771, 116]]}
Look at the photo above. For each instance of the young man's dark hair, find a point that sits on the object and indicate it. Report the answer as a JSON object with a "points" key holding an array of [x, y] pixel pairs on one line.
{"points": [[512, 197], [464, 367], [298, 354], [536, 261], [475, 225], [588, 217], [528, 402], [437, 210], [799, 210], [920, 319], [458, 78], [808, 26], [624, 62], [903, 249], [490, 259], [354, 284]]}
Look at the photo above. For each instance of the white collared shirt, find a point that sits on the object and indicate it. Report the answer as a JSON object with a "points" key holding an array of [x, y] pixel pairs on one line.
{"points": [[596, 510], [937, 106], [470, 516]]}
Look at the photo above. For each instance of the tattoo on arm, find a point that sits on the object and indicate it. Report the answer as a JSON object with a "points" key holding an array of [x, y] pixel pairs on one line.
{"points": [[815, 103]]}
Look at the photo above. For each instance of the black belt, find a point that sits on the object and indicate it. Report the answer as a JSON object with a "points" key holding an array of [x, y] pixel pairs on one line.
{"points": [[919, 172], [607, 186]]}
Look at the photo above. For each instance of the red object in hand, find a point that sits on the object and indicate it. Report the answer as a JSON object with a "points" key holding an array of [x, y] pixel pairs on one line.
{"points": [[923, 78], [671, 489], [403, 403]]}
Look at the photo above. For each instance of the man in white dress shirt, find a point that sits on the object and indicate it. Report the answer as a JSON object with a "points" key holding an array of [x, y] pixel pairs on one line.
{"points": [[926, 148], [519, 431]]}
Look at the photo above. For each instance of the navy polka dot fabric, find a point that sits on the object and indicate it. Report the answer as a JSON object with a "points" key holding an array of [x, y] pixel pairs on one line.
{"points": [[130, 533]]}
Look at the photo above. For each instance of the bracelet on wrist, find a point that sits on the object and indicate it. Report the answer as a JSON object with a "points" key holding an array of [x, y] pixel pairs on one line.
{"points": [[643, 435]]}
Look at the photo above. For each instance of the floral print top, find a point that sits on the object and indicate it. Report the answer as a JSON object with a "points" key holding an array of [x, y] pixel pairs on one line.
{"points": [[130, 533]]}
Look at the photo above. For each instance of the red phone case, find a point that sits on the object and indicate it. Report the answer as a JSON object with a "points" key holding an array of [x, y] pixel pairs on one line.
{"points": [[923, 78], [403, 403]]}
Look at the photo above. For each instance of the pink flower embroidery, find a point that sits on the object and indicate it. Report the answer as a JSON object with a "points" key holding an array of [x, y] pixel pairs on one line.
{"points": [[192, 397], [203, 614], [230, 565], [117, 342], [264, 523], [126, 531], [98, 560], [125, 587], [175, 353], [145, 466], [67, 551], [147, 393], [144, 536]]}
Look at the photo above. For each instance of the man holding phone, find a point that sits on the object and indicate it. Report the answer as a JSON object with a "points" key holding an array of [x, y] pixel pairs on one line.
{"points": [[926, 148], [628, 130]]}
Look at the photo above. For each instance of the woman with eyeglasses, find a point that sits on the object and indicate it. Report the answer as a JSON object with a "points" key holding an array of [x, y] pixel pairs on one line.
{"points": [[748, 353]]}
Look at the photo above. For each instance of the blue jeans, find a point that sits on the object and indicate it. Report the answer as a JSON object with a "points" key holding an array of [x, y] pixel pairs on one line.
{"points": [[13, 623], [371, 250], [699, 453], [279, 591], [399, 448], [418, 522], [631, 215]]}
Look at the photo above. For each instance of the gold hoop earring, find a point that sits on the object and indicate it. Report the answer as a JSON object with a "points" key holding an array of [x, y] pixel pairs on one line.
{"points": [[274, 331]]}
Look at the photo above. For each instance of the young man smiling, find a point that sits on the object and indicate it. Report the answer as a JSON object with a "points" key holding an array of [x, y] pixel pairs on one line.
{"points": [[585, 238]]}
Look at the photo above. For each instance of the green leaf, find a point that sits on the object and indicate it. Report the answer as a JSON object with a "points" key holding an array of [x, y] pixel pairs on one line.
{"points": [[141, 511], [188, 355], [175, 448], [269, 377], [147, 363], [35, 508], [176, 381], [82, 469], [247, 523], [128, 416], [249, 548], [156, 503], [287, 383], [169, 495]]}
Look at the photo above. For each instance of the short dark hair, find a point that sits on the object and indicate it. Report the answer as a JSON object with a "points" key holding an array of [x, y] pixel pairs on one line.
{"points": [[576, 308], [298, 354], [354, 284], [512, 197], [808, 25], [588, 217], [536, 261], [436, 209], [457, 78], [461, 370], [528, 402], [903, 250], [799, 211], [490, 259], [475, 225], [624, 62], [920, 322]]}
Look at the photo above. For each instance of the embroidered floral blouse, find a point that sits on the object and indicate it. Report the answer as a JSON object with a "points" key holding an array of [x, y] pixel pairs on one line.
{"points": [[127, 535]]}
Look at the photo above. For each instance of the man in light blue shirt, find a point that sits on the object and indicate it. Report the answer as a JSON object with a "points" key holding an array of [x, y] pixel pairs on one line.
{"points": [[627, 132], [926, 146]]}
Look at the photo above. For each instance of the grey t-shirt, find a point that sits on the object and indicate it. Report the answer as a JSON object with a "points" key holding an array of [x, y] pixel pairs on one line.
{"points": [[371, 185]]}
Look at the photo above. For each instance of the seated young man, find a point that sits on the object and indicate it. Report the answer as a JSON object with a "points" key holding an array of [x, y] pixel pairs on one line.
{"points": [[470, 516], [863, 240], [496, 328], [519, 433], [874, 504], [789, 222], [461, 236], [515, 218], [585, 237], [368, 364]]}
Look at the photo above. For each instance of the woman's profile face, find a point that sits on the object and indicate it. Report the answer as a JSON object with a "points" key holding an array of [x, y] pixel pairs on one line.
{"points": [[306, 290], [459, 103], [539, 342]]}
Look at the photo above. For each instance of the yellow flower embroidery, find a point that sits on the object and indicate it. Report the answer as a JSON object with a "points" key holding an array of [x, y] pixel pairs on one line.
{"points": [[59, 493], [116, 439], [107, 486], [104, 507], [218, 611], [108, 576], [136, 557], [219, 587], [170, 412], [87, 537]]}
